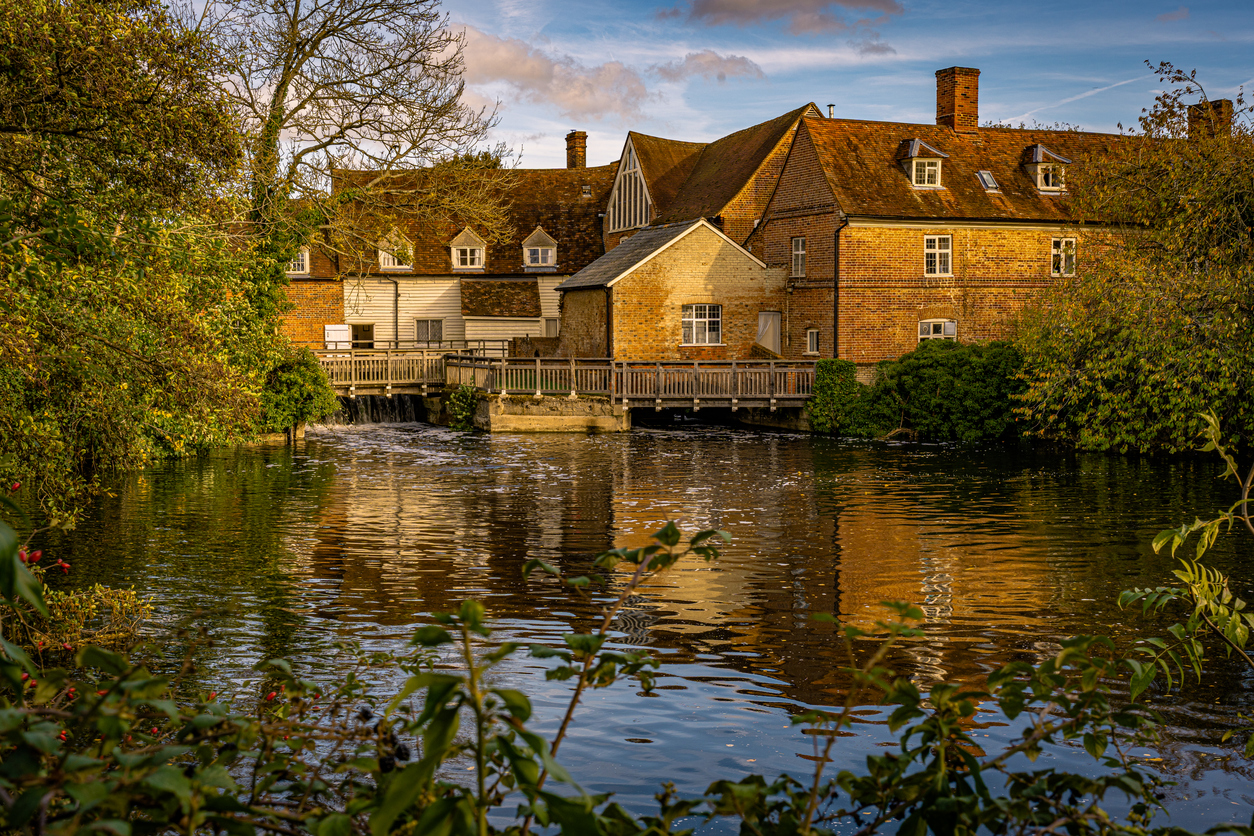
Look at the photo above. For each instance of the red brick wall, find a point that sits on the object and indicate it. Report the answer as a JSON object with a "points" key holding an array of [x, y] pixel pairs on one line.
{"points": [[702, 268], [315, 302]]}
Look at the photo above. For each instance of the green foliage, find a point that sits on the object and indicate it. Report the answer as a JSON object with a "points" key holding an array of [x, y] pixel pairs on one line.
{"points": [[838, 406], [1156, 325], [462, 404], [297, 390]]}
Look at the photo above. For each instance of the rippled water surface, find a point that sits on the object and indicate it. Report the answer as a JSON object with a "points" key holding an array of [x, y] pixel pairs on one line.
{"points": [[361, 533]]}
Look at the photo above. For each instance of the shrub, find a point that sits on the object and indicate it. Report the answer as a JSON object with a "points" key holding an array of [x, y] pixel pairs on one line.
{"points": [[297, 390], [947, 391], [838, 406], [461, 406]]}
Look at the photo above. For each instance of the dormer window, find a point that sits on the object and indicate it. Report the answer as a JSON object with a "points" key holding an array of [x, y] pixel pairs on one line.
{"points": [[1047, 169], [467, 251], [539, 252], [395, 253], [299, 265], [922, 163]]}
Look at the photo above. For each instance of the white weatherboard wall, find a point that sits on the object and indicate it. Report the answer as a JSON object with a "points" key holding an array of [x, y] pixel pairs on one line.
{"points": [[502, 327], [428, 297], [550, 298]]}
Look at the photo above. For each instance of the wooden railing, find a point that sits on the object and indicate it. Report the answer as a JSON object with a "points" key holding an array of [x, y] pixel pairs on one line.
{"points": [[369, 372], [731, 383]]}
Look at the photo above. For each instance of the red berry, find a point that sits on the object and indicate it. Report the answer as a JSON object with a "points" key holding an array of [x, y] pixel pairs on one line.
{"points": [[213, 695], [65, 568], [35, 555], [67, 645], [271, 695], [25, 677], [154, 729], [101, 693], [15, 486]]}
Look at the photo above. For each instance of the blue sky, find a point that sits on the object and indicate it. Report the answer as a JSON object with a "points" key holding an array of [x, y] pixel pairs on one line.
{"points": [[699, 69]]}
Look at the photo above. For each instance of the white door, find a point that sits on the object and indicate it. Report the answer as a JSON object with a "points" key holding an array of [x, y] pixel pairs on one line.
{"points": [[768, 329]]}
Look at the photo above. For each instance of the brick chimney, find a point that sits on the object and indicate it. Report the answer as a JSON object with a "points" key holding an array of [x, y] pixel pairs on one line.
{"points": [[1210, 119], [958, 99], [577, 149]]}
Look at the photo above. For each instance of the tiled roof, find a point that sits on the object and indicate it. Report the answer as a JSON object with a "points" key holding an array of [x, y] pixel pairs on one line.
{"points": [[860, 162], [665, 164], [500, 297], [548, 198], [725, 166], [630, 252]]}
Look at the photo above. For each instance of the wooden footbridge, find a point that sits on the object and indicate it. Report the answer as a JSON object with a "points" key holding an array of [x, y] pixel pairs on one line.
{"points": [[665, 385]]}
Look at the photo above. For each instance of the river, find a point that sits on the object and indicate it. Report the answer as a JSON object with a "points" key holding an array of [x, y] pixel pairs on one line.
{"points": [[359, 533]]}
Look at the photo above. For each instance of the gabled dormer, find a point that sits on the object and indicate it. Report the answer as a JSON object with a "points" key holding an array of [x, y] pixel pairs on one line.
{"points": [[395, 252], [922, 163], [630, 204], [468, 251], [539, 252], [1047, 169]]}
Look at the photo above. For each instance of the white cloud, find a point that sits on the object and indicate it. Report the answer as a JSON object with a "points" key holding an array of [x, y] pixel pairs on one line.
{"points": [[708, 64], [577, 90]]}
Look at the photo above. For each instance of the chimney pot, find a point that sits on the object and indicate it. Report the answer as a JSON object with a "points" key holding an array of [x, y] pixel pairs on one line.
{"points": [[958, 99], [577, 149], [1210, 119], [831, 111]]}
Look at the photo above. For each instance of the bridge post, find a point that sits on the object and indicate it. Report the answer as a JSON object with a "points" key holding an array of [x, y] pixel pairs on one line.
{"points": [[696, 385], [573, 385], [657, 389], [538, 395], [736, 386], [771, 386], [387, 359], [352, 374]]}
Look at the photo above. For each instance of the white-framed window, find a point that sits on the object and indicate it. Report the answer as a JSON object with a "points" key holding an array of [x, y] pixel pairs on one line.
{"points": [[467, 251], [987, 180], [299, 266], [1062, 257], [395, 253], [703, 325], [467, 258], [926, 173], [428, 330], [1051, 178], [630, 206], [798, 257], [812, 341], [550, 326], [938, 329], [937, 251], [540, 256]]}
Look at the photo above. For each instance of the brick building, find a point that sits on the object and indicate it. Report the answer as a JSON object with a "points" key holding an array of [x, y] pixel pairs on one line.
{"points": [[681, 291], [441, 282], [892, 233]]}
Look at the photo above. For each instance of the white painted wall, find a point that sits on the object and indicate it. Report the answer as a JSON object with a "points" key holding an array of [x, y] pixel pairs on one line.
{"points": [[425, 297], [502, 328]]}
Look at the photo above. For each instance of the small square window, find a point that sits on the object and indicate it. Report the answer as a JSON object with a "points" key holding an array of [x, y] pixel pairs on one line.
{"points": [[702, 325], [926, 173], [587, 191], [798, 257], [1062, 257], [550, 327], [428, 330], [938, 329], [362, 335], [936, 255], [539, 256], [299, 266], [1051, 178], [812, 341], [467, 257], [987, 180]]}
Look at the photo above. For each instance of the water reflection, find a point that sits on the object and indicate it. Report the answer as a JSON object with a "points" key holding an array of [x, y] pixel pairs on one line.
{"points": [[360, 533]]}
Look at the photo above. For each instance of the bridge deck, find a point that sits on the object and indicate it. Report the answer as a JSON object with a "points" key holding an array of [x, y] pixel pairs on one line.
{"points": [[695, 384]]}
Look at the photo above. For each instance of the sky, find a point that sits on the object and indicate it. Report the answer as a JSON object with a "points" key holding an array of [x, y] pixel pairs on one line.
{"points": [[700, 69]]}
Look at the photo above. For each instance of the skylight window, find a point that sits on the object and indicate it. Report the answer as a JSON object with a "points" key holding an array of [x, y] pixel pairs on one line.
{"points": [[987, 180]]}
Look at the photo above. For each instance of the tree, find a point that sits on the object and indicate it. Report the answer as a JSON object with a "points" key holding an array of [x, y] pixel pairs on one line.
{"points": [[1158, 324], [329, 86], [123, 295]]}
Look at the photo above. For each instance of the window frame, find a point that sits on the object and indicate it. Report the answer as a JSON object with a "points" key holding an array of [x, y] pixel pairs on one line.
{"points": [[302, 257], [1062, 259], [547, 256], [360, 342], [429, 321], [798, 257], [388, 262], [812, 341], [945, 254], [925, 164], [556, 328], [689, 319], [472, 255], [948, 329]]}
